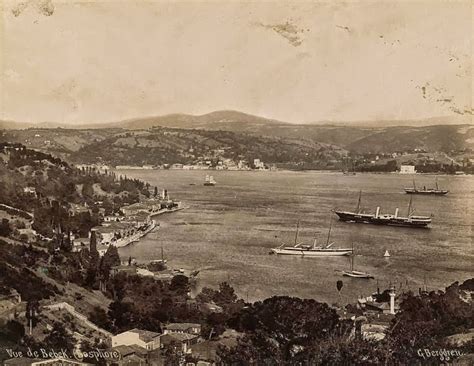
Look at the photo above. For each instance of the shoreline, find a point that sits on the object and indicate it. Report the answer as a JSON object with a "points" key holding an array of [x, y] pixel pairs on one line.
{"points": [[136, 237], [321, 171], [154, 224]]}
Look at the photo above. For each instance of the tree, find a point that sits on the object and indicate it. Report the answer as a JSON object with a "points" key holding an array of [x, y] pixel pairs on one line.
{"points": [[31, 313], [180, 284], [99, 317], [121, 314], [111, 257], [59, 339], [5, 229], [173, 356], [14, 331], [225, 296], [291, 323]]}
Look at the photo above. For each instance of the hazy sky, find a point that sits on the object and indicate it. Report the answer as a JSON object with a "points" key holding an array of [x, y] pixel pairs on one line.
{"points": [[98, 61]]}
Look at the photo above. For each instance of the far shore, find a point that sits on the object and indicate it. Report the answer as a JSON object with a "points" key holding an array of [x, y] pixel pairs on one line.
{"points": [[321, 171]]}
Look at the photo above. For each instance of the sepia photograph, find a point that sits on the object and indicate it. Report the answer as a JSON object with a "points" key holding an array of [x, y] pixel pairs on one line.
{"points": [[236, 182]]}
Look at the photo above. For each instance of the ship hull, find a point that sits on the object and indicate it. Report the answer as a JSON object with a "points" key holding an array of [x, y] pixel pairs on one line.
{"points": [[427, 193], [312, 252], [357, 274], [388, 220]]}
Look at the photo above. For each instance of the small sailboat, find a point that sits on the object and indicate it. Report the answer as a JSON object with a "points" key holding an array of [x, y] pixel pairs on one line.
{"points": [[209, 181], [311, 250], [356, 274], [387, 254]]}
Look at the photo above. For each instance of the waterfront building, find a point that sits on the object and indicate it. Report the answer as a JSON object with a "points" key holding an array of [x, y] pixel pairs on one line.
{"points": [[407, 169], [137, 220], [107, 235], [114, 218], [135, 208]]}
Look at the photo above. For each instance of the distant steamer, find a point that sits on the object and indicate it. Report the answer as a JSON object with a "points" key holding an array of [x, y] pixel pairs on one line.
{"points": [[426, 191], [384, 219]]}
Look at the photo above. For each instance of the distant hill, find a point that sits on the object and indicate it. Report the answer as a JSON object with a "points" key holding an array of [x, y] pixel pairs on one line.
{"points": [[219, 120], [230, 120], [428, 138], [159, 146], [268, 139]]}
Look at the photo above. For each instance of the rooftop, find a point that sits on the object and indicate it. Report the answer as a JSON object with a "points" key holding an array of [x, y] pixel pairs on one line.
{"points": [[145, 335], [182, 326], [138, 215], [136, 206], [177, 337], [129, 350]]}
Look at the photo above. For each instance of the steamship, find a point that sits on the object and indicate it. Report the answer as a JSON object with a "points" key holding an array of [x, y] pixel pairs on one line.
{"points": [[427, 191], [410, 220]]}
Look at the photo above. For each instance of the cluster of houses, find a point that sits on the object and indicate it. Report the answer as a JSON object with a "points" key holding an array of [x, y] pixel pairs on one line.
{"points": [[142, 347], [215, 161], [129, 225]]}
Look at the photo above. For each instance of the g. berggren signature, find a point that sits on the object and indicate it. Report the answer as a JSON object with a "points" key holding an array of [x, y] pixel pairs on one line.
{"points": [[442, 354]]}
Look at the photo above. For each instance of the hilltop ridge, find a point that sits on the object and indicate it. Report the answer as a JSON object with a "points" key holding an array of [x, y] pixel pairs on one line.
{"points": [[231, 120]]}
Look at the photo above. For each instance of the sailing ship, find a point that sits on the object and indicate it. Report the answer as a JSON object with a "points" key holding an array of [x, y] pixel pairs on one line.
{"points": [[311, 250], [414, 221], [429, 191], [356, 274], [209, 181]]}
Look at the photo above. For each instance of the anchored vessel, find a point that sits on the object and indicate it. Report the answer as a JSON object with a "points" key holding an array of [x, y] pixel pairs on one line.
{"points": [[384, 219], [311, 250], [356, 274], [429, 191], [209, 181]]}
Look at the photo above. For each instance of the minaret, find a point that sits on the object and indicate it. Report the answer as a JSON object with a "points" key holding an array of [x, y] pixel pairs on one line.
{"points": [[392, 300]]}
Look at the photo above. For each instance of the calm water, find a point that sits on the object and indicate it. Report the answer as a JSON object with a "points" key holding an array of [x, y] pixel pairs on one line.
{"points": [[228, 230]]}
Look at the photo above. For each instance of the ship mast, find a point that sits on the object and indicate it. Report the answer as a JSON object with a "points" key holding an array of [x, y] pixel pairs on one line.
{"points": [[296, 234], [358, 202], [437, 184], [352, 258], [414, 185], [409, 207], [329, 234]]}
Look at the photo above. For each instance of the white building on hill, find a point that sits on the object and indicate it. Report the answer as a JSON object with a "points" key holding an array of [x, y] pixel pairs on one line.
{"points": [[143, 338], [407, 169]]}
